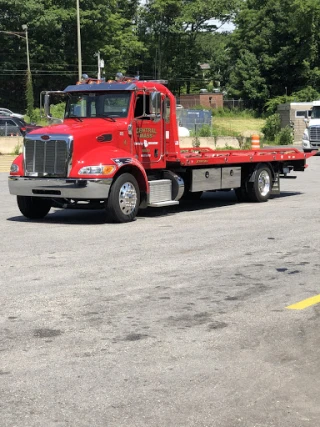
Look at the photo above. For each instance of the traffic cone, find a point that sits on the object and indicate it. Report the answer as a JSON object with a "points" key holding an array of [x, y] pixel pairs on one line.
{"points": [[255, 142]]}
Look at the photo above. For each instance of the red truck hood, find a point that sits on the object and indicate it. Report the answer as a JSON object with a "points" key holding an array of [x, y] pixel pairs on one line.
{"points": [[85, 134], [84, 129]]}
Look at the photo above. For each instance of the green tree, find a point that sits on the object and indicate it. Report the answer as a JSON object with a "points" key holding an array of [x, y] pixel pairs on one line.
{"points": [[247, 81], [170, 30], [283, 37], [215, 52], [106, 25]]}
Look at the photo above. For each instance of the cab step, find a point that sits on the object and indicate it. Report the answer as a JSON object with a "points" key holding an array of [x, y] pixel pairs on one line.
{"points": [[161, 193], [162, 204]]}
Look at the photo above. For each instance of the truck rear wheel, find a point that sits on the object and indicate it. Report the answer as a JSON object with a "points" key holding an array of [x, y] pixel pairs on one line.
{"points": [[33, 207], [124, 199], [260, 189]]}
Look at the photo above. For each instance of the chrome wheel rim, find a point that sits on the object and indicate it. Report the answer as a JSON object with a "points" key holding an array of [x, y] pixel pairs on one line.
{"points": [[264, 183], [127, 198]]}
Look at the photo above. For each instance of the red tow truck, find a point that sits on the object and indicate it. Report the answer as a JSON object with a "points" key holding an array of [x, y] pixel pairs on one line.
{"points": [[118, 149]]}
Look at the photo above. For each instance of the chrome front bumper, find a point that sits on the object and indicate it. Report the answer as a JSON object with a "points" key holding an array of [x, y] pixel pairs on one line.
{"points": [[67, 188]]}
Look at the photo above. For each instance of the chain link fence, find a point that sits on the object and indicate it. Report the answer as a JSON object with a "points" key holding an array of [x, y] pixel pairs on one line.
{"points": [[234, 103], [194, 120]]}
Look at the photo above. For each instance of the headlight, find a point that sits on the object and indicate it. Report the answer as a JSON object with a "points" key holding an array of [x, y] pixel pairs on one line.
{"points": [[305, 136], [97, 170], [14, 168]]}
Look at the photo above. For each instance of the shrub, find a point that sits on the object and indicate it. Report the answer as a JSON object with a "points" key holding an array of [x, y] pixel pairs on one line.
{"points": [[205, 130], [35, 116], [202, 131], [57, 110], [272, 104], [272, 127], [285, 136]]}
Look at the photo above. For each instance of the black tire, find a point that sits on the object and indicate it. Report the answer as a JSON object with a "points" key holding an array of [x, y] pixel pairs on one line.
{"points": [[33, 207], [260, 189], [124, 199]]}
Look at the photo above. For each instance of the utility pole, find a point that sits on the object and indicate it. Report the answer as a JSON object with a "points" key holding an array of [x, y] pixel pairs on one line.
{"points": [[25, 28]]}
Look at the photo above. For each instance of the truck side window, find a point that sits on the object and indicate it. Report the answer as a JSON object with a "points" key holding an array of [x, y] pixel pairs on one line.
{"points": [[166, 110], [138, 111], [316, 114]]}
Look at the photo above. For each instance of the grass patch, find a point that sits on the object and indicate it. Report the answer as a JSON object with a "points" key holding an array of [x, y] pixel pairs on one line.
{"points": [[233, 126]]}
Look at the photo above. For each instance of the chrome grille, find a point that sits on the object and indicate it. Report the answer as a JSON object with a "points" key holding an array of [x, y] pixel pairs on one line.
{"points": [[46, 158], [314, 132]]}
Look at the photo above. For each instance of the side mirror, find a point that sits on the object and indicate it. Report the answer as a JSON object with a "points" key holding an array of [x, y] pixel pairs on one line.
{"points": [[155, 103], [47, 105]]}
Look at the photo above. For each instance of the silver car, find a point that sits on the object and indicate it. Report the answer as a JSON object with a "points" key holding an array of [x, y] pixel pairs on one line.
{"points": [[7, 112]]}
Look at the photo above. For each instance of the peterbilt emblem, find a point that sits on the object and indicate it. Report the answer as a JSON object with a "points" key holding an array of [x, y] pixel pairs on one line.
{"points": [[120, 161], [45, 137]]}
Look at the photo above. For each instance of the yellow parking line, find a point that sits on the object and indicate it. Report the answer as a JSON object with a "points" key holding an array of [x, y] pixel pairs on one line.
{"points": [[305, 303]]}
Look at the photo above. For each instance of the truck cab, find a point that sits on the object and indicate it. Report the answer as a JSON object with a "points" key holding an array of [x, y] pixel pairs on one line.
{"points": [[311, 135], [121, 127]]}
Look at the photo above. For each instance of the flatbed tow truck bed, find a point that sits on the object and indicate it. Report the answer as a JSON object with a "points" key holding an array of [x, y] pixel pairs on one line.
{"points": [[208, 156]]}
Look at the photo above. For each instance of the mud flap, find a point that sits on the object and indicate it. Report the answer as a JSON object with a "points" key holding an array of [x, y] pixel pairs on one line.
{"points": [[275, 184]]}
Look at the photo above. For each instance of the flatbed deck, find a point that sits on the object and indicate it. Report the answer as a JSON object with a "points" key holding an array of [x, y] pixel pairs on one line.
{"points": [[207, 156]]}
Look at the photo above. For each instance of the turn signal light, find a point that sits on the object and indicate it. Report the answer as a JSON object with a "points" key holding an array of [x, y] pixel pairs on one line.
{"points": [[97, 170]]}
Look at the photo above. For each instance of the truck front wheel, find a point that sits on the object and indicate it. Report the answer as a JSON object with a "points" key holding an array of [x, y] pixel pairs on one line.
{"points": [[33, 207], [260, 189], [124, 199]]}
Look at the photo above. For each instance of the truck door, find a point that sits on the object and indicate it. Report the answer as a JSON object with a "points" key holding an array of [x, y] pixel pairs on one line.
{"points": [[148, 130]]}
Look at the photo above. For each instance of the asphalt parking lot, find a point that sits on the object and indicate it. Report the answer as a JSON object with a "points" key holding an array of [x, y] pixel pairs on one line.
{"points": [[178, 319]]}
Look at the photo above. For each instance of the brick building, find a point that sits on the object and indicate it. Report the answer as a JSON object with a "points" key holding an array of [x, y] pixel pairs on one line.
{"points": [[206, 99]]}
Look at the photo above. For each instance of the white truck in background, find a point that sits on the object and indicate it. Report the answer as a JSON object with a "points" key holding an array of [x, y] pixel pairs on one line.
{"points": [[311, 136]]}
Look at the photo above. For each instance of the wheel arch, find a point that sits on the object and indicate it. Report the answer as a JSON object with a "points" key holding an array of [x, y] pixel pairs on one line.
{"points": [[141, 177], [258, 166]]}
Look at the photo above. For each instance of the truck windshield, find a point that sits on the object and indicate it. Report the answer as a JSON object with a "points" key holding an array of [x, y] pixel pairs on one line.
{"points": [[106, 104], [315, 113]]}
